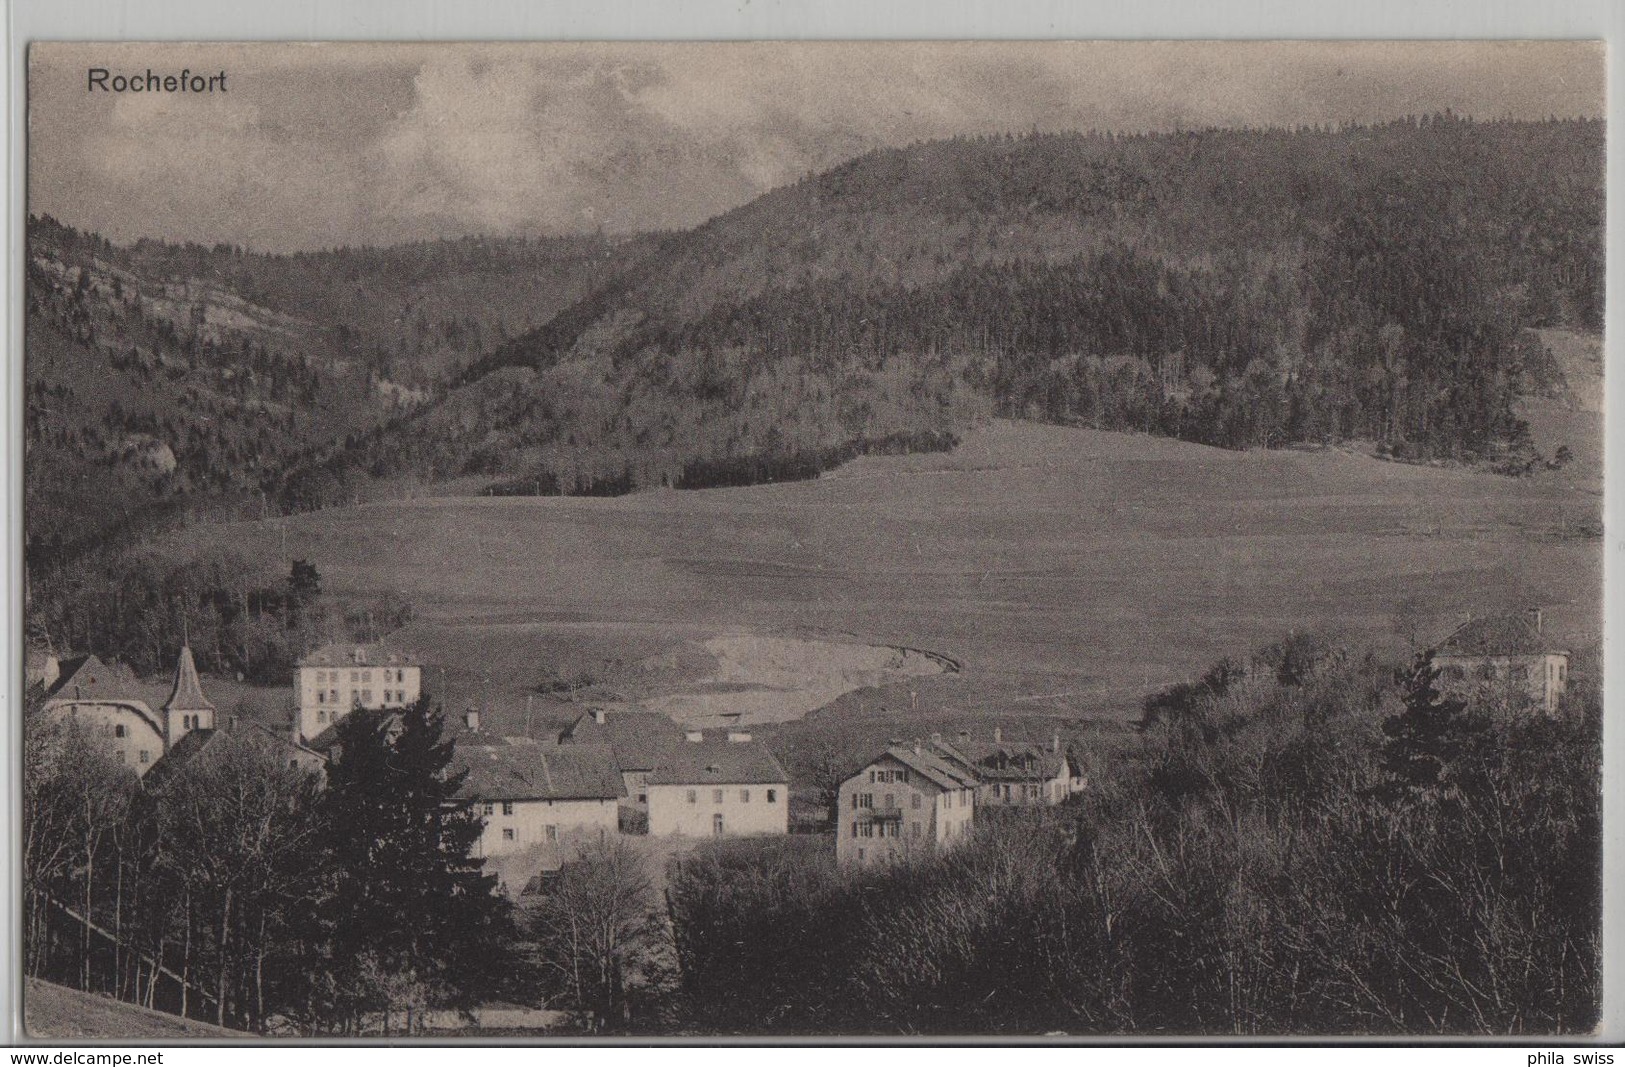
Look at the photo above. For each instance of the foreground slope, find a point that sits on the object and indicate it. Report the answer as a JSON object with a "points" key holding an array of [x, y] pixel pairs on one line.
{"points": [[51, 1011]]}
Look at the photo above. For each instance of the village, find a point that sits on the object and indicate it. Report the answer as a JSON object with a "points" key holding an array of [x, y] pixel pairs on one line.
{"points": [[641, 773]]}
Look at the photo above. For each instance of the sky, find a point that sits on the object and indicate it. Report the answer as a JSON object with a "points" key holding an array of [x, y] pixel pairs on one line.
{"points": [[314, 146]]}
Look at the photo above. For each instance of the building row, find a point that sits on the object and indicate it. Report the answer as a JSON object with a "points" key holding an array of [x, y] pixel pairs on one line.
{"points": [[608, 772], [915, 799]]}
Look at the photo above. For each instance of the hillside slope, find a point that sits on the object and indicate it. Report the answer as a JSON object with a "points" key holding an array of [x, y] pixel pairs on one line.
{"points": [[166, 379], [1241, 288], [54, 1012]]}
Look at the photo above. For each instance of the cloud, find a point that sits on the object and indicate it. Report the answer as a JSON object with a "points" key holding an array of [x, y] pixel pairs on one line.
{"points": [[371, 143]]}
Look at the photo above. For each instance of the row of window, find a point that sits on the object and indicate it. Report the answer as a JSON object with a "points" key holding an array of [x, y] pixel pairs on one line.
{"points": [[867, 800], [716, 796], [364, 697], [884, 829], [1489, 672], [358, 677], [889, 775], [550, 833], [141, 757]]}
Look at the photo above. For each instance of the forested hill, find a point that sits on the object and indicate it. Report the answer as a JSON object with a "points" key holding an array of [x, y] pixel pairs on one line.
{"points": [[1241, 288], [163, 380]]}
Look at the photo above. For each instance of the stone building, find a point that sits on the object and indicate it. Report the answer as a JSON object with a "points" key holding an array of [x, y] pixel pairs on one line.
{"points": [[1504, 655], [908, 801]]}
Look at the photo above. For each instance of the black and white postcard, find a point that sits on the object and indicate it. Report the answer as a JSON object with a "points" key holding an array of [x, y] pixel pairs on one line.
{"points": [[611, 541]]}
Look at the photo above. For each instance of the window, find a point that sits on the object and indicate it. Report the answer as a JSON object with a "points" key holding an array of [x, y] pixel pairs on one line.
{"points": [[355, 676], [891, 800], [145, 757], [118, 730], [332, 696], [366, 696], [1562, 672], [490, 808], [366, 676], [552, 833], [914, 829], [744, 796], [772, 796], [507, 833], [716, 826], [860, 855], [321, 697], [865, 800], [854, 829], [915, 802], [643, 798], [321, 716], [871, 776], [716, 796], [507, 807], [693, 796]]}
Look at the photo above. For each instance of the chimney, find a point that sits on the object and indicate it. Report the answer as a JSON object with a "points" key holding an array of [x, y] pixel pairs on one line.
{"points": [[1534, 618], [600, 716], [998, 735], [471, 719], [694, 735], [936, 739], [1055, 741], [739, 735]]}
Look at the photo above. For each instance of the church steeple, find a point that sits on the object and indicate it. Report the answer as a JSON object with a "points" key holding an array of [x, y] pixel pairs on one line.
{"points": [[187, 709]]}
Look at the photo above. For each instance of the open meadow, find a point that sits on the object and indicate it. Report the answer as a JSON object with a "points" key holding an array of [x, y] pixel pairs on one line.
{"points": [[1034, 571]]}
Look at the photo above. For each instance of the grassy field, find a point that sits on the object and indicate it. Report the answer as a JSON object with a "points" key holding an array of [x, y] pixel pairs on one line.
{"points": [[53, 1011], [1065, 572]]}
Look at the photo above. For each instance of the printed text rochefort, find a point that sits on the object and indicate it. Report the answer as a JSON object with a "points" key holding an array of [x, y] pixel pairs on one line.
{"points": [[100, 79]]}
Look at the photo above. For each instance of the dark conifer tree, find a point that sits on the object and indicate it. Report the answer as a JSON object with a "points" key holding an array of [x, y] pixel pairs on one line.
{"points": [[1437, 733], [413, 921]]}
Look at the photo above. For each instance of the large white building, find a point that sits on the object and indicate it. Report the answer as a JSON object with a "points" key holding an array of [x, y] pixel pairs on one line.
{"points": [[336, 679], [718, 787], [908, 801], [110, 702], [537, 802]]}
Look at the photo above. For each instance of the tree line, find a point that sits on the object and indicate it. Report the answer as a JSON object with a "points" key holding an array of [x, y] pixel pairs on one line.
{"points": [[239, 617], [259, 893], [1238, 288], [1311, 840]]}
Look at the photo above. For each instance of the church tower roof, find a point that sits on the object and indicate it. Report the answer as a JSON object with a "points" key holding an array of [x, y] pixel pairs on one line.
{"points": [[188, 692]]}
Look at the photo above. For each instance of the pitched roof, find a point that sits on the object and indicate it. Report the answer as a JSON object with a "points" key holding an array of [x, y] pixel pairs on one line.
{"points": [[931, 766], [88, 678], [538, 772], [188, 692], [1498, 635], [1005, 761], [638, 737], [196, 742], [712, 762], [352, 655]]}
